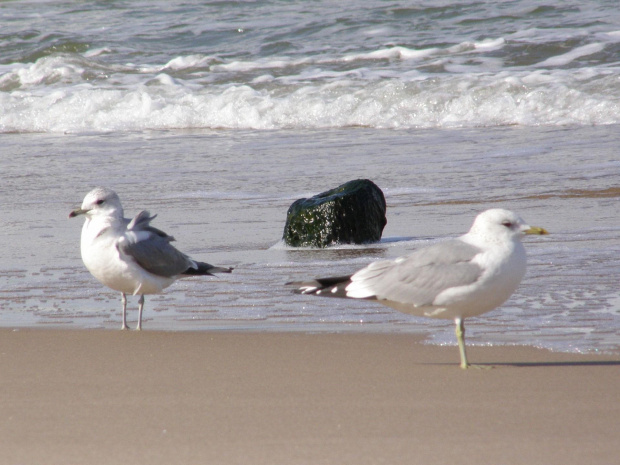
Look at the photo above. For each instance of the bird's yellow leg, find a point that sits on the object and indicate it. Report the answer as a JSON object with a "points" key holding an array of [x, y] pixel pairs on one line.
{"points": [[460, 336]]}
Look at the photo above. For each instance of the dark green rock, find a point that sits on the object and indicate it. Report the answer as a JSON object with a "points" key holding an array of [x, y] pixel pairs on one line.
{"points": [[353, 213]]}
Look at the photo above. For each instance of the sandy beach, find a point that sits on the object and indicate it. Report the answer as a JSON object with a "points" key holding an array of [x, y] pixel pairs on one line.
{"points": [[112, 397]]}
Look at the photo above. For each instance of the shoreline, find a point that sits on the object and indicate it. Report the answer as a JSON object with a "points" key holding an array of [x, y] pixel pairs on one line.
{"points": [[109, 396], [155, 325]]}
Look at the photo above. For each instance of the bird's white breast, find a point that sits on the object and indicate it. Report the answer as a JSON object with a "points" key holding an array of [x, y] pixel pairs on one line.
{"points": [[104, 261], [504, 267]]}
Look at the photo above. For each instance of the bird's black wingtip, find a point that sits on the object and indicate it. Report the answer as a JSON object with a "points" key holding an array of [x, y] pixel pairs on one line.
{"points": [[220, 269], [333, 286], [207, 269]]}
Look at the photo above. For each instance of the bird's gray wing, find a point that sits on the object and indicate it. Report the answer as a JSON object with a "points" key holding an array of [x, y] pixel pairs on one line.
{"points": [[141, 222], [418, 278], [150, 248]]}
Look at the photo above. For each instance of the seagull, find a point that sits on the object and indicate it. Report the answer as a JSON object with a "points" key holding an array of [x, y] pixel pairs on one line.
{"points": [[454, 279], [131, 256]]}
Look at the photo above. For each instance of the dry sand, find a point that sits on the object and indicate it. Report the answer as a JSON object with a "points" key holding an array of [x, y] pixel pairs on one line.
{"points": [[112, 397]]}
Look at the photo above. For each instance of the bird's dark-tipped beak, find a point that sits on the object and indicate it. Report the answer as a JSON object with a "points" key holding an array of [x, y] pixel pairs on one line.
{"points": [[77, 212]]}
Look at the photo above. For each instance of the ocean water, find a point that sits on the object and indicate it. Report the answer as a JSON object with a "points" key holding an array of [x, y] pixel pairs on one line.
{"points": [[122, 66], [218, 115]]}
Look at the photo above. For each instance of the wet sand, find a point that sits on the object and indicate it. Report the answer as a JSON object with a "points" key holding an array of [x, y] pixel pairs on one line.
{"points": [[107, 397]]}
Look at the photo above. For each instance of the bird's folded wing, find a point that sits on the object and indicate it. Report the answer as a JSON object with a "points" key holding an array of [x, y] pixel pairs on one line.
{"points": [[418, 278], [154, 253], [142, 222]]}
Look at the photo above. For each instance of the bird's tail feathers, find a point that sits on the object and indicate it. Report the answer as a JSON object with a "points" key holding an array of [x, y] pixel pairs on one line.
{"points": [[206, 269]]}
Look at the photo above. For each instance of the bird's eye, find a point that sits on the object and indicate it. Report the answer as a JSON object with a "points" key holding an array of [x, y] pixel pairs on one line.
{"points": [[507, 223], [100, 201]]}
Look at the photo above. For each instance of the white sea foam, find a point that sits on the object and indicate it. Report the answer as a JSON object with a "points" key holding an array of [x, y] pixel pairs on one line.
{"points": [[490, 44], [191, 61], [245, 66], [51, 96], [402, 53], [97, 52], [566, 58], [45, 71], [391, 84]]}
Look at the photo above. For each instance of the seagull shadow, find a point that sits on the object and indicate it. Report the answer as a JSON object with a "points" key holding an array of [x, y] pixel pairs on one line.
{"points": [[568, 363]]}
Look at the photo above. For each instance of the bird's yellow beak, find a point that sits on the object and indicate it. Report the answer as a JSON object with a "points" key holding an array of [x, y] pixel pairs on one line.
{"points": [[536, 230]]}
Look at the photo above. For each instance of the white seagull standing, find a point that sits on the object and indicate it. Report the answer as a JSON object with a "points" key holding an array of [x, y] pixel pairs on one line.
{"points": [[454, 279], [130, 256]]}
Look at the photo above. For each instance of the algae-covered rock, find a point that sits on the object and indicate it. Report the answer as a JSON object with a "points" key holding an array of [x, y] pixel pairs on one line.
{"points": [[353, 213]]}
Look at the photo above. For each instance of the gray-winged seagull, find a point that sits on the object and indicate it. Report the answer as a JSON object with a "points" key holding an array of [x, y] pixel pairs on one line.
{"points": [[454, 279], [131, 256]]}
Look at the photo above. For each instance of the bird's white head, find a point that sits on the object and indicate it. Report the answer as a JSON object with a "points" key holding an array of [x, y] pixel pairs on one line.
{"points": [[100, 201], [502, 225]]}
